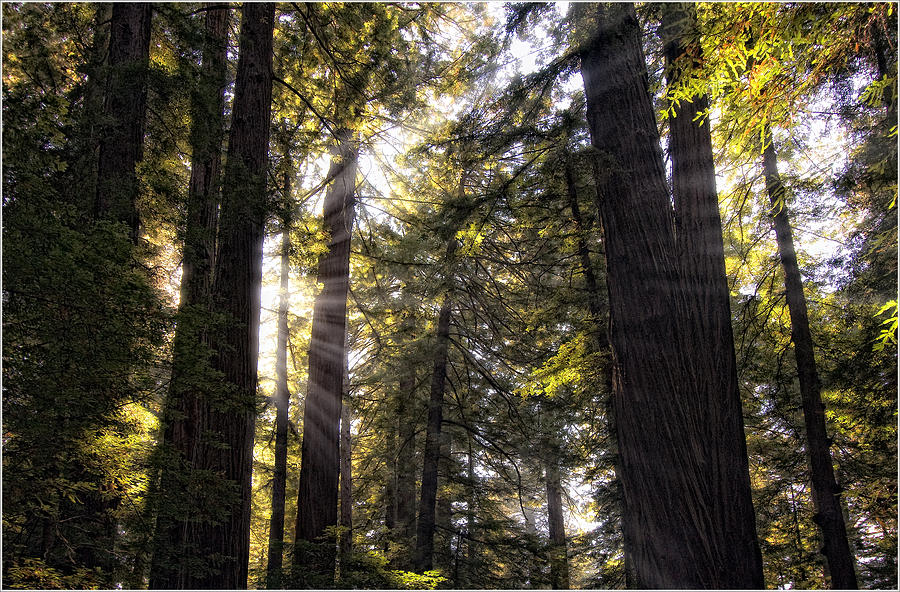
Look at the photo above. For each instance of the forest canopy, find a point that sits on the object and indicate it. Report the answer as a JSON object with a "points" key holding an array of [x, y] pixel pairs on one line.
{"points": [[449, 295]]}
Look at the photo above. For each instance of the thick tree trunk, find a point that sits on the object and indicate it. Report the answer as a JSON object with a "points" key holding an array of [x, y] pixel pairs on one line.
{"points": [[406, 469], [282, 406], [121, 149], [125, 105], [826, 492], [559, 564], [424, 558], [667, 455], [225, 422], [320, 453], [190, 351], [701, 261]]}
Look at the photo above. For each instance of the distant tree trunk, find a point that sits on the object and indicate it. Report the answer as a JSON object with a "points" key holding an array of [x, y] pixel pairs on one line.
{"points": [[701, 261], [443, 515], [559, 563], [320, 453], [826, 492], [125, 105], [406, 468], [667, 458], [225, 423], [424, 558], [282, 405], [190, 351], [346, 539], [390, 489]]}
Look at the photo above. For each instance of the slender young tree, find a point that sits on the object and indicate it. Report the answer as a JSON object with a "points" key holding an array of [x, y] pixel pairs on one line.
{"points": [[320, 452], [559, 563], [345, 541], [424, 555], [671, 466], [826, 493], [282, 394]]}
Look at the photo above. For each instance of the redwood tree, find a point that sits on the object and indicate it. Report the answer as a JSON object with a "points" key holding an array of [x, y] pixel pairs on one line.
{"points": [[424, 555], [218, 538], [672, 466], [826, 493], [701, 261], [125, 105], [320, 451], [190, 352]]}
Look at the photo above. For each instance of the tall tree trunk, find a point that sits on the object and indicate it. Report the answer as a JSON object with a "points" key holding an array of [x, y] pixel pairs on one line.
{"points": [[667, 455], [225, 422], [346, 518], [826, 493], [424, 557], [443, 515], [406, 467], [701, 262], [190, 351], [559, 564], [320, 453], [282, 406], [125, 105], [121, 149]]}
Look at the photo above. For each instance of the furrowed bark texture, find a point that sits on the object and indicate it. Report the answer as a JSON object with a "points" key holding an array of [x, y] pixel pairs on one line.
{"points": [[826, 493], [701, 260], [320, 452], [559, 564], [125, 105], [190, 350], [282, 404], [424, 557], [666, 455], [225, 420]]}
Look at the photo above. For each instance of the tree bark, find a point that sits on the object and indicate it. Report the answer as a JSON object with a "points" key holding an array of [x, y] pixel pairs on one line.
{"points": [[424, 558], [190, 350], [121, 149], [826, 492], [701, 261], [282, 407], [125, 106], [225, 421], [667, 456], [559, 564], [320, 452]]}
